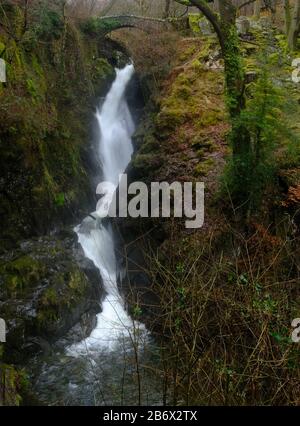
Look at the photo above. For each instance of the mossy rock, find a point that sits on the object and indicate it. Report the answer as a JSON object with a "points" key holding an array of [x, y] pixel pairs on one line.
{"points": [[20, 275], [13, 382], [67, 291], [144, 164], [102, 68], [45, 289]]}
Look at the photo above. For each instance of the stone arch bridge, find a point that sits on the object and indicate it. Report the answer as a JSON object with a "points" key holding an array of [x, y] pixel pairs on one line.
{"points": [[107, 24]]}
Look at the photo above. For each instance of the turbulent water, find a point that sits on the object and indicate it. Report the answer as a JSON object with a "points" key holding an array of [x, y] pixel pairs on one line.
{"points": [[101, 369]]}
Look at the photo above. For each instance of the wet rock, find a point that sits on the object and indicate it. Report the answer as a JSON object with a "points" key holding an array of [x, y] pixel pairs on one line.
{"points": [[47, 286], [135, 98], [136, 283]]}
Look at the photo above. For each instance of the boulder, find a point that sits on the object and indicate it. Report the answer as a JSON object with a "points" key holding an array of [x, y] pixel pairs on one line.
{"points": [[47, 286]]}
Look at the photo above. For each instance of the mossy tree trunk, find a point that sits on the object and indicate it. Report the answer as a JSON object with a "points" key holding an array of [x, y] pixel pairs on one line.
{"points": [[294, 27], [288, 16]]}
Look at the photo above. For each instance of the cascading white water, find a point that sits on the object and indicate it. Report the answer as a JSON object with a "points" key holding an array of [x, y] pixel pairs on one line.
{"points": [[117, 128], [115, 151]]}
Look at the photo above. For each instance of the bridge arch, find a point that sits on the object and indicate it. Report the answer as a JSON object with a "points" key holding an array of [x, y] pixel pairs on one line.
{"points": [[106, 24]]}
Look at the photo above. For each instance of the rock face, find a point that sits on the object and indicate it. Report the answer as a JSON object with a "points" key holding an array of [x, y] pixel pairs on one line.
{"points": [[205, 27], [45, 120], [46, 287], [133, 251], [243, 25]]}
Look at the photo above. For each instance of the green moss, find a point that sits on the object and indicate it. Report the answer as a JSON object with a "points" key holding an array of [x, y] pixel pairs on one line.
{"points": [[210, 118], [203, 143], [168, 119], [203, 168], [66, 292], [150, 144], [98, 27], [21, 273], [77, 283], [186, 100], [201, 153], [14, 382], [194, 20], [197, 65], [102, 69], [32, 88], [207, 47], [60, 199], [50, 298], [188, 53]]}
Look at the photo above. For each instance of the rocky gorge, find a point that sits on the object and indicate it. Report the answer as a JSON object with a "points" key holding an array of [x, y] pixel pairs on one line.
{"points": [[199, 300]]}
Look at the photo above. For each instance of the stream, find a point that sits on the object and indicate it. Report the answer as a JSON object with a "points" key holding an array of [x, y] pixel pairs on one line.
{"points": [[115, 364]]}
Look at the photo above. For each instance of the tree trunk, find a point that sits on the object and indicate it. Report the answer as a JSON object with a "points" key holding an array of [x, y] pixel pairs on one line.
{"points": [[294, 26], [288, 17], [232, 58], [257, 9]]}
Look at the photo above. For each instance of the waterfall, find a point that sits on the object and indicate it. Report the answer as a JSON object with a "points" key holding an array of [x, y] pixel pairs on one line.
{"points": [[117, 128], [115, 151]]}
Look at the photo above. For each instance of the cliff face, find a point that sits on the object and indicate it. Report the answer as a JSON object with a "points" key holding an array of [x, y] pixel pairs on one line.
{"points": [[54, 76]]}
